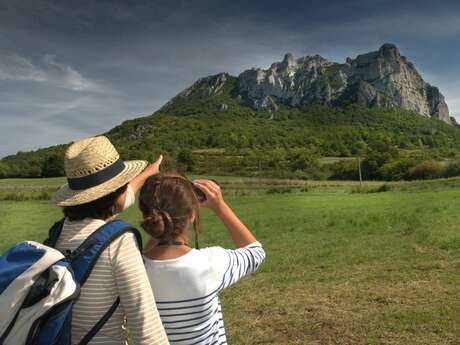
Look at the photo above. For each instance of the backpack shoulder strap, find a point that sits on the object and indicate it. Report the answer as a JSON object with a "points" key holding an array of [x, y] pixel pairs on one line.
{"points": [[54, 233], [97, 327], [85, 256]]}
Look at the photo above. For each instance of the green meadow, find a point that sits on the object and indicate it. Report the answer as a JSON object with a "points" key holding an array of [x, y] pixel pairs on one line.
{"points": [[346, 264]]}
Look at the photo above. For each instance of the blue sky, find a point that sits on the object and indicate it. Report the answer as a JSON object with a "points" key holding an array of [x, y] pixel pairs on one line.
{"points": [[71, 69]]}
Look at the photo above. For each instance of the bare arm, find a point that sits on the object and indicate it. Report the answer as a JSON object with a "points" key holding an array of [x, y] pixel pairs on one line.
{"points": [[152, 169], [239, 233]]}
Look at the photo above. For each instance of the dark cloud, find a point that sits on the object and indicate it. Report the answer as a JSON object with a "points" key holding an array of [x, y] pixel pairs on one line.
{"points": [[70, 69]]}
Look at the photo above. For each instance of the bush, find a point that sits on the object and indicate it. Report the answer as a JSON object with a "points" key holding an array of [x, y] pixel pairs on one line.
{"points": [[452, 169], [42, 196], [304, 162], [344, 170], [15, 197], [382, 188], [396, 170], [427, 170], [186, 160], [366, 189]]}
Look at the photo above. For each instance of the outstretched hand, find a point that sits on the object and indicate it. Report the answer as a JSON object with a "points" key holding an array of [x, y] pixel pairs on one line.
{"points": [[214, 199], [151, 169]]}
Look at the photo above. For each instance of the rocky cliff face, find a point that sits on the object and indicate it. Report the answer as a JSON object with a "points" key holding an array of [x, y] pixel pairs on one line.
{"points": [[382, 78]]}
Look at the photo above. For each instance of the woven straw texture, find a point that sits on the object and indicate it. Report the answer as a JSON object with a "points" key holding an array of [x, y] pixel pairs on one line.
{"points": [[86, 157]]}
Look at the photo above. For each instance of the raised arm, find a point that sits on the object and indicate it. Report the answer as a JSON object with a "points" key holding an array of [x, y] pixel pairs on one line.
{"points": [[239, 233], [152, 169]]}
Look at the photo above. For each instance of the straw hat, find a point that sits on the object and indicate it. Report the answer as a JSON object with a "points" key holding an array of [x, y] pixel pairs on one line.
{"points": [[94, 169]]}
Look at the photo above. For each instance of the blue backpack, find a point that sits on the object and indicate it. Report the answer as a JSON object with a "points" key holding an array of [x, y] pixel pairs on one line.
{"points": [[39, 286]]}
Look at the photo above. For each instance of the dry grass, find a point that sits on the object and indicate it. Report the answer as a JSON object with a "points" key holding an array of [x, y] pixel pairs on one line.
{"points": [[360, 310]]}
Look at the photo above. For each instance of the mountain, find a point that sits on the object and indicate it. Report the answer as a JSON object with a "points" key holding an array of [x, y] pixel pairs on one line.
{"points": [[383, 78], [301, 118]]}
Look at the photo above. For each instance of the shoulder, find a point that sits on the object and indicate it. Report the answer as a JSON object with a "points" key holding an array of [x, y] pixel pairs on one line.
{"points": [[127, 238], [216, 250], [211, 252], [216, 258], [125, 245], [124, 232], [219, 252]]}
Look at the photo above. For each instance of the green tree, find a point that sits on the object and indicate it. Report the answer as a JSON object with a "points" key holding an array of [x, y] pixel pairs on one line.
{"points": [[306, 161], [53, 166], [186, 160]]}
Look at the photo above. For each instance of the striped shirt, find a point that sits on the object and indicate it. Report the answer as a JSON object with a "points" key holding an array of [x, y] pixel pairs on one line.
{"points": [[119, 271], [187, 288]]}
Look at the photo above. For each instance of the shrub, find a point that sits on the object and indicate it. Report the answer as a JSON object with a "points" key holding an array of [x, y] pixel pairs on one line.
{"points": [[186, 160], [383, 188], [42, 196], [16, 197], [452, 169], [344, 170], [396, 170], [426, 170]]}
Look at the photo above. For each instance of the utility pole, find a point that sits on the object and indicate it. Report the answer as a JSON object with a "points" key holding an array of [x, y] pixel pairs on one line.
{"points": [[359, 169]]}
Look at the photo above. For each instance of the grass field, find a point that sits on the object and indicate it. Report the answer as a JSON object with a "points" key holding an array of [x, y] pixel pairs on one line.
{"points": [[345, 264]]}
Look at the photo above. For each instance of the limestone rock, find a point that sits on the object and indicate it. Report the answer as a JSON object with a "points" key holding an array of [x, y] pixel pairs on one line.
{"points": [[382, 78], [206, 87], [139, 132]]}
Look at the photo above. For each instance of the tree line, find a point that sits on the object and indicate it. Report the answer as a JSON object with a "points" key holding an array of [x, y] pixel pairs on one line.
{"points": [[391, 144]]}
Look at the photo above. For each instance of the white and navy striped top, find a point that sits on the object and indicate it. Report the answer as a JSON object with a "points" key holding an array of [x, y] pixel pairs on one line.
{"points": [[186, 290]]}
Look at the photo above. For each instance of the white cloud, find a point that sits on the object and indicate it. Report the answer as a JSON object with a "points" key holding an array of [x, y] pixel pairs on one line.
{"points": [[48, 71], [15, 67], [67, 76]]}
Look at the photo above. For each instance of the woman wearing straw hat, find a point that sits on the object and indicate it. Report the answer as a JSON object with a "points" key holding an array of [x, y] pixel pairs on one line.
{"points": [[100, 185]]}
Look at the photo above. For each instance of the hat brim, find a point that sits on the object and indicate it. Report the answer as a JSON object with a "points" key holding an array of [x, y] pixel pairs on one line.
{"points": [[69, 197]]}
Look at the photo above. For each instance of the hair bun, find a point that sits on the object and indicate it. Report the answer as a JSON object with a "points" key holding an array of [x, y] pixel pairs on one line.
{"points": [[157, 223]]}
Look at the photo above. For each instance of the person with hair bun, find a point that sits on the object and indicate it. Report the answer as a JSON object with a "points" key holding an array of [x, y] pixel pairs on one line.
{"points": [[186, 282]]}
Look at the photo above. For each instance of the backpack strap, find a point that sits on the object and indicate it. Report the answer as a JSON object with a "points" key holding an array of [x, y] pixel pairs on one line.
{"points": [[54, 233], [97, 327], [86, 255]]}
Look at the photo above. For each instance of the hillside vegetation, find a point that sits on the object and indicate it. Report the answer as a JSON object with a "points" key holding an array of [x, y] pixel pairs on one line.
{"points": [[222, 135]]}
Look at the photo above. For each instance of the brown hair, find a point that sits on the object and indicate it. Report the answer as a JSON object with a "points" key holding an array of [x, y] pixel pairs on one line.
{"points": [[101, 208], [167, 203]]}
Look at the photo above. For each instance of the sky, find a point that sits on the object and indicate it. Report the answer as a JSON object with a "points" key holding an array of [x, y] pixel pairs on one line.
{"points": [[72, 69]]}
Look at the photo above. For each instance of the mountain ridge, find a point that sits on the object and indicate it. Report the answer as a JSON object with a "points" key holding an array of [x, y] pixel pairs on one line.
{"points": [[382, 78]]}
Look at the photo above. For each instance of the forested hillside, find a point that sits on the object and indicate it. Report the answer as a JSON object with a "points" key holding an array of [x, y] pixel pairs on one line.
{"points": [[198, 136]]}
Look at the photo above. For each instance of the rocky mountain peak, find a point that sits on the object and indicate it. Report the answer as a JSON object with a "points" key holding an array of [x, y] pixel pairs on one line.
{"points": [[382, 78], [207, 86], [389, 50], [289, 60]]}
